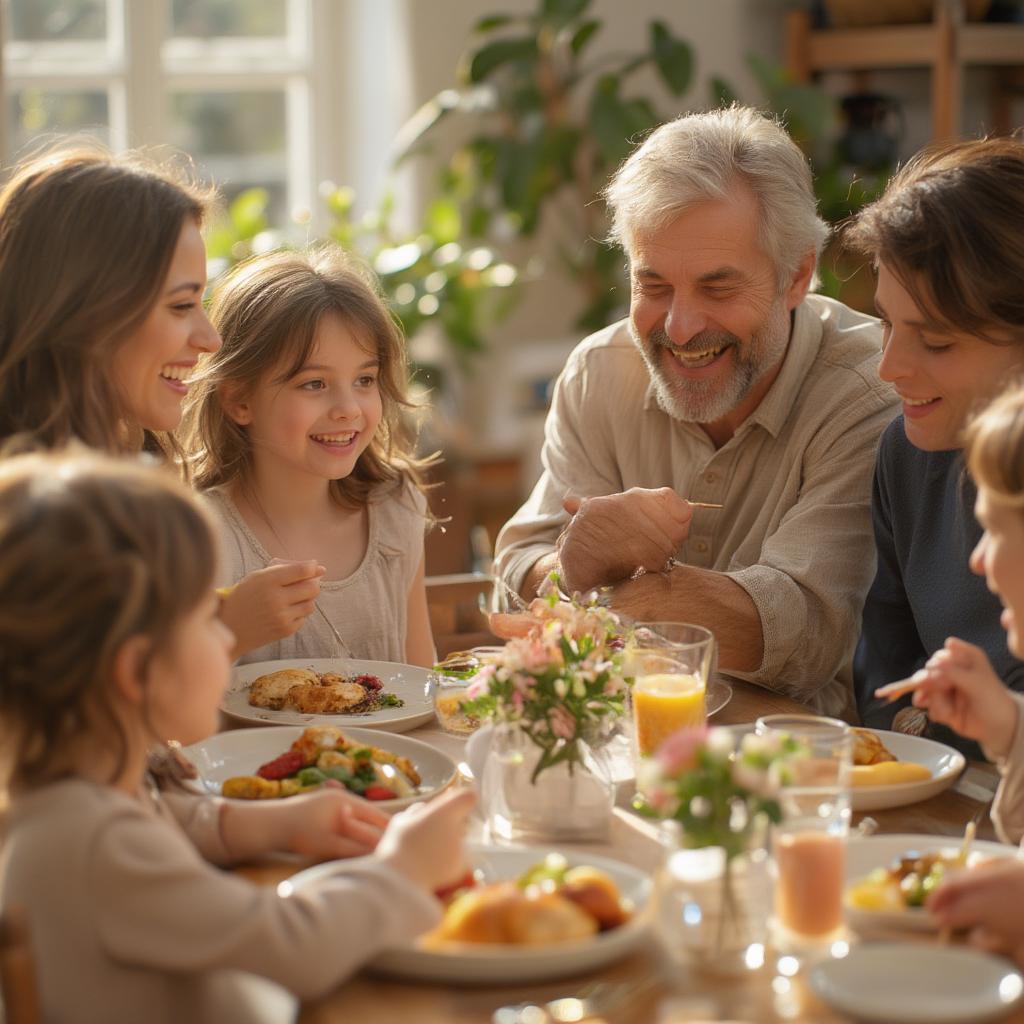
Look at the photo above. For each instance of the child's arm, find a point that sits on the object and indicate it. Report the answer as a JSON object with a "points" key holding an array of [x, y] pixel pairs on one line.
{"points": [[959, 688], [326, 825], [270, 603], [419, 640]]}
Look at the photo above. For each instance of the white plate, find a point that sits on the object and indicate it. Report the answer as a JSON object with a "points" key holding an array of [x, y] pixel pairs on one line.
{"points": [[406, 681], [943, 762], [467, 963], [910, 983], [242, 751], [717, 695], [865, 854]]}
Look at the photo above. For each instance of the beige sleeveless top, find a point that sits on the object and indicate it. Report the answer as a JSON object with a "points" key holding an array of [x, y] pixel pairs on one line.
{"points": [[368, 608]]}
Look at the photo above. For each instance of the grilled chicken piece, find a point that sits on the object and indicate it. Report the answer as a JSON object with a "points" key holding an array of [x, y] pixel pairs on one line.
{"points": [[271, 691], [869, 749]]}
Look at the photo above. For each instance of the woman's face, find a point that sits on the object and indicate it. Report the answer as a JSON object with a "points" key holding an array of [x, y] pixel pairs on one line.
{"points": [[151, 367], [941, 375], [999, 557]]}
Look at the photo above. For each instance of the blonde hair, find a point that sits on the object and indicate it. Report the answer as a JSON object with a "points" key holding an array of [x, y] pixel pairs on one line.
{"points": [[86, 241], [93, 550], [702, 156], [994, 448], [267, 311]]}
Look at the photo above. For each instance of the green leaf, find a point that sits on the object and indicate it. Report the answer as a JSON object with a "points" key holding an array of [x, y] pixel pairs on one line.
{"points": [[492, 56], [248, 212], [583, 35], [492, 21], [443, 220], [617, 124], [673, 58], [722, 94], [560, 12]]}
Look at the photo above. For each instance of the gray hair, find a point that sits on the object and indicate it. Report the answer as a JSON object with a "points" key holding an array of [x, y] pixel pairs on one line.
{"points": [[698, 157]]}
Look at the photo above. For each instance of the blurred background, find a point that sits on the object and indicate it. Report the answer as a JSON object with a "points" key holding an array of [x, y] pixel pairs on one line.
{"points": [[461, 145]]}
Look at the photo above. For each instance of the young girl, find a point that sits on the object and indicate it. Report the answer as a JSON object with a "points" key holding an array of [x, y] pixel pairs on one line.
{"points": [[959, 687], [102, 271], [111, 642], [296, 435]]}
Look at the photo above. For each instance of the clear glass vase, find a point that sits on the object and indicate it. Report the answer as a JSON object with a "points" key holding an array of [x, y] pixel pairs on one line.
{"points": [[569, 801], [712, 910]]}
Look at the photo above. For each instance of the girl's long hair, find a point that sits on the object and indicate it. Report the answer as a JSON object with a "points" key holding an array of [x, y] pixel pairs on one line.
{"points": [[267, 311], [93, 551], [86, 241]]}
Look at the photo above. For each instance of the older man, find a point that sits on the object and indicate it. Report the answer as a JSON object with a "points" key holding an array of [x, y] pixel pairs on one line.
{"points": [[728, 385]]}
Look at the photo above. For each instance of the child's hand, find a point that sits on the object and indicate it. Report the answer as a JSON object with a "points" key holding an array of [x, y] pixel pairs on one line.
{"points": [[988, 899], [271, 603], [332, 823], [959, 688], [426, 842]]}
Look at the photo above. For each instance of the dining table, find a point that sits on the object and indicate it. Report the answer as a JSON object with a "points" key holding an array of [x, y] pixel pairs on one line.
{"points": [[646, 987]]}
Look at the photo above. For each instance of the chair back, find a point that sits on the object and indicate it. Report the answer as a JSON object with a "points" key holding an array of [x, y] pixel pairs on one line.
{"points": [[18, 981], [456, 616]]}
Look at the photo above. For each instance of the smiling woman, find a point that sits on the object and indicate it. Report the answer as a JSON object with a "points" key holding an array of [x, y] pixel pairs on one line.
{"points": [[101, 272], [950, 255]]}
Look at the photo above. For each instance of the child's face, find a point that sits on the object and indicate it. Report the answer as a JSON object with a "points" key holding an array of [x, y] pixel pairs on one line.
{"points": [[323, 418], [939, 375], [186, 683], [150, 367], [999, 556]]}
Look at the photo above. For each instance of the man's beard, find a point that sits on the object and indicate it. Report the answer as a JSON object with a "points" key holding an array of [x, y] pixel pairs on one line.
{"points": [[706, 401]]}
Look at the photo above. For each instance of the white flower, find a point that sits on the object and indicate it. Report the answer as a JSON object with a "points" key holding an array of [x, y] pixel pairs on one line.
{"points": [[579, 688], [720, 743], [561, 688]]}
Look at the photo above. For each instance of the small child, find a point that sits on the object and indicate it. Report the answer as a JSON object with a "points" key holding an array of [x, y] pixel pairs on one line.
{"points": [[296, 436], [959, 688], [111, 642]]}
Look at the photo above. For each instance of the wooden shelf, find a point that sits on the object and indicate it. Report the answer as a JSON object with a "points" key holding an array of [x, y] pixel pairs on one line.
{"points": [[944, 47]]}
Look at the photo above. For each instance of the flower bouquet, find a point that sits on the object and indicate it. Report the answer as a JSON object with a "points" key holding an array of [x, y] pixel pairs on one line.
{"points": [[721, 797], [554, 697]]}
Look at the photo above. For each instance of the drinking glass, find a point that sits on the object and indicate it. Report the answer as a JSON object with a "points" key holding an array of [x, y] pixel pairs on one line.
{"points": [[667, 695], [809, 845], [693, 645], [447, 685]]}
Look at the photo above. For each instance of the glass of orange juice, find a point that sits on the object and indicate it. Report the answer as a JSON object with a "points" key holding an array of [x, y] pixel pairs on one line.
{"points": [[667, 695], [809, 845]]}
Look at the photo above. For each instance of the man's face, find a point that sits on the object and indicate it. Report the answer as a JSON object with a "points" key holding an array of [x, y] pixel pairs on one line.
{"points": [[706, 312]]}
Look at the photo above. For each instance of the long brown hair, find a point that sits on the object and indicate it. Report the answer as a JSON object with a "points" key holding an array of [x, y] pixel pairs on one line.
{"points": [[267, 311], [949, 227], [93, 550], [86, 241]]}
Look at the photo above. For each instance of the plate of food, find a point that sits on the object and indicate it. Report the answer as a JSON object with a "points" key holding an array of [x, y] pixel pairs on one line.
{"points": [[266, 764], [330, 691], [527, 914], [888, 878], [891, 769]]}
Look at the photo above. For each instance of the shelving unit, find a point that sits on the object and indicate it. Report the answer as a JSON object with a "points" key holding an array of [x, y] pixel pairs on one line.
{"points": [[945, 46]]}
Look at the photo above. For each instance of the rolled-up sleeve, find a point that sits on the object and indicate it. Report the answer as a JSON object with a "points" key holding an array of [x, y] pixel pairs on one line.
{"points": [[571, 465], [815, 568]]}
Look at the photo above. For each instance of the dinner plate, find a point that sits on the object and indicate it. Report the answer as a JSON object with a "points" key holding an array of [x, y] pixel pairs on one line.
{"points": [[468, 963], [866, 853], [911, 983], [242, 751], [406, 681], [943, 762], [716, 696]]}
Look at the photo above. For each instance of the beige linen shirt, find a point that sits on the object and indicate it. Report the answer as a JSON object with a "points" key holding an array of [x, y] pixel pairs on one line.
{"points": [[130, 923], [795, 482]]}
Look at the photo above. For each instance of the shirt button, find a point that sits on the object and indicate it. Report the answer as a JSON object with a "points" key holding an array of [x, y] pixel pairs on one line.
{"points": [[710, 478], [701, 546]]}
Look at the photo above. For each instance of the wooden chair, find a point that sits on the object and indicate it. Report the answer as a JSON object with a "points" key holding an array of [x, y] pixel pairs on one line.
{"points": [[18, 970], [456, 617]]}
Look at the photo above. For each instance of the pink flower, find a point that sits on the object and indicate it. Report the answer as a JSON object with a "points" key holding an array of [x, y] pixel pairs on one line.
{"points": [[562, 722], [678, 753], [517, 702]]}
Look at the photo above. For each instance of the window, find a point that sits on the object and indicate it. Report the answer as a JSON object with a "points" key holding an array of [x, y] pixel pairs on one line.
{"points": [[249, 88]]}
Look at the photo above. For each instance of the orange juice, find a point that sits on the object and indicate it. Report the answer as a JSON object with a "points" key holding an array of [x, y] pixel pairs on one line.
{"points": [[663, 703], [811, 873]]}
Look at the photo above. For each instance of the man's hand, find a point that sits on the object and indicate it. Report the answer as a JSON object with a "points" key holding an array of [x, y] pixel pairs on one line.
{"points": [[610, 537]]}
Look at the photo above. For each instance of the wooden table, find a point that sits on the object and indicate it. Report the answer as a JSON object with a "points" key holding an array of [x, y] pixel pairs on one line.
{"points": [[674, 998]]}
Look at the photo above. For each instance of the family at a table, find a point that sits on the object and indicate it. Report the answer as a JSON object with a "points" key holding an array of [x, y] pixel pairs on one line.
{"points": [[838, 498]]}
